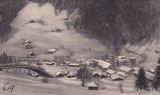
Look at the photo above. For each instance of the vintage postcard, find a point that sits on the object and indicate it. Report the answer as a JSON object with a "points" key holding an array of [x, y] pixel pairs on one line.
{"points": [[79, 47]]}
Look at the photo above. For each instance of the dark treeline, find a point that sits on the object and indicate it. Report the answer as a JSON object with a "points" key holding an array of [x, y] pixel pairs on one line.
{"points": [[4, 58], [113, 22], [8, 11]]}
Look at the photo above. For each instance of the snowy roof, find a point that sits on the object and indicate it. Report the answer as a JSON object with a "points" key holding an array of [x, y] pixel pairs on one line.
{"points": [[109, 71], [104, 64], [125, 69], [97, 72], [52, 50], [149, 75], [116, 76], [72, 74], [122, 74], [92, 84]]}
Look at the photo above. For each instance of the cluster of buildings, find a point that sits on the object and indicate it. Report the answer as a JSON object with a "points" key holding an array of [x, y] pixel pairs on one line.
{"points": [[27, 44]]}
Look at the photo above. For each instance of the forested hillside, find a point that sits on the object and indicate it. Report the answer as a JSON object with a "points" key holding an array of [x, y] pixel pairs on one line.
{"points": [[114, 22]]}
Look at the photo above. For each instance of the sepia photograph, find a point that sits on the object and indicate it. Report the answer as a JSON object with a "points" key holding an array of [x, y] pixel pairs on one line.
{"points": [[79, 47]]}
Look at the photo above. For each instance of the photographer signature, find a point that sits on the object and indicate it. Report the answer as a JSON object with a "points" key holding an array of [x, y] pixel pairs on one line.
{"points": [[8, 86]]}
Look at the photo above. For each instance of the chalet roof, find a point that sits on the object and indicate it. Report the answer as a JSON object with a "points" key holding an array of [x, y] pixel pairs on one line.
{"points": [[104, 64], [125, 69], [97, 72], [92, 84], [116, 76], [110, 71]]}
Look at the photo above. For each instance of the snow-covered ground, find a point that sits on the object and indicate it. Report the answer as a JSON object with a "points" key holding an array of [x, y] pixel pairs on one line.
{"points": [[42, 37]]}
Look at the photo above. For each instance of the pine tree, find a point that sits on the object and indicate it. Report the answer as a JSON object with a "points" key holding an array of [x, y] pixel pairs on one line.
{"points": [[156, 81], [141, 81]]}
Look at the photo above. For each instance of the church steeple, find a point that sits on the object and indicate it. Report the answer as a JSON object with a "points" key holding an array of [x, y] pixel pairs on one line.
{"points": [[112, 56]]}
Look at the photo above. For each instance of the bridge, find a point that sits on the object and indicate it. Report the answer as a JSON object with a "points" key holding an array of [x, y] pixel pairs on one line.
{"points": [[36, 69]]}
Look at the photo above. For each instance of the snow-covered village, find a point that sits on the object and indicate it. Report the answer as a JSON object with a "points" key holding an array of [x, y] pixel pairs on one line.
{"points": [[79, 47]]}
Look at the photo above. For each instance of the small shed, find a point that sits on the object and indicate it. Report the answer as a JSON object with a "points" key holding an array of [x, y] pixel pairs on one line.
{"points": [[28, 46], [92, 86]]}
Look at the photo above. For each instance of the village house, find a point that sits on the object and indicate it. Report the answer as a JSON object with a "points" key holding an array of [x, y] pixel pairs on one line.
{"points": [[103, 65], [51, 51], [110, 72], [32, 54], [125, 61], [127, 70], [92, 86], [71, 75], [28, 46], [97, 74], [116, 77]]}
